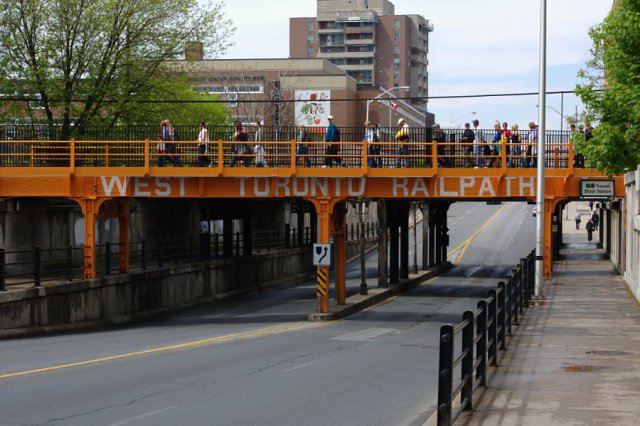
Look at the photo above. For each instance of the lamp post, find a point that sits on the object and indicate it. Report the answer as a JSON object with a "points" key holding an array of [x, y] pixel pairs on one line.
{"points": [[381, 95], [542, 100], [460, 116]]}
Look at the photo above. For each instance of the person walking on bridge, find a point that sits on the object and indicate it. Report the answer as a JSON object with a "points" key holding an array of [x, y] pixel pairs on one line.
{"points": [[331, 137], [402, 138], [478, 144]]}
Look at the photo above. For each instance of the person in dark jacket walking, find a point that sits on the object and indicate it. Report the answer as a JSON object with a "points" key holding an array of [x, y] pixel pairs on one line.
{"points": [[589, 230]]}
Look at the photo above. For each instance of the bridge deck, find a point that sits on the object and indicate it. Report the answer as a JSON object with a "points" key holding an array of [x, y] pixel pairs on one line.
{"points": [[416, 170]]}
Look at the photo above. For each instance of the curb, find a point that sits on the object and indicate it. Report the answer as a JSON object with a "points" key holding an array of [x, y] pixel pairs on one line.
{"points": [[357, 303]]}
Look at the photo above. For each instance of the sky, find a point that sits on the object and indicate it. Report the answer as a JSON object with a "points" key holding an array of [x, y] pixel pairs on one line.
{"points": [[477, 47]]}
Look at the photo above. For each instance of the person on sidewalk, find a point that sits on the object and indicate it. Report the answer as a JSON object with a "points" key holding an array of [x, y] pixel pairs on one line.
{"points": [[578, 220], [589, 231], [331, 137], [595, 219]]}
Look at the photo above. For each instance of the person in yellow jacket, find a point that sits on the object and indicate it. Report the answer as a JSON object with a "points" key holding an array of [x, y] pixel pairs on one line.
{"points": [[402, 138]]}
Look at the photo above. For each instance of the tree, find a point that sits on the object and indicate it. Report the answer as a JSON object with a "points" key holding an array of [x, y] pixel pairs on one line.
{"points": [[615, 68], [190, 107], [90, 59]]}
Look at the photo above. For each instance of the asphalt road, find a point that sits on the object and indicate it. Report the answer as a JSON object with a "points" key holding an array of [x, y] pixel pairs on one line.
{"points": [[256, 361]]}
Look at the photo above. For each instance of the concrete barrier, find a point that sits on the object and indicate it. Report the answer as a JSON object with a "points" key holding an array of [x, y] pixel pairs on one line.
{"points": [[121, 298]]}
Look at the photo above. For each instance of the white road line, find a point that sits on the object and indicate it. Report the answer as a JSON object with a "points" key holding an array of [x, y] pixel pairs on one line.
{"points": [[299, 366], [142, 416]]}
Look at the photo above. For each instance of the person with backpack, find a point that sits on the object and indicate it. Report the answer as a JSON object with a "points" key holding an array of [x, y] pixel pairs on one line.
{"points": [[302, 148], [402, 138], [373, 147], [331, 136], [203, 142], [239, 148]]}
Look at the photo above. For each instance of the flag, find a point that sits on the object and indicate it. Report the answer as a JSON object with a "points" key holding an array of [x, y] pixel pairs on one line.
{"points": [[393, 105]]}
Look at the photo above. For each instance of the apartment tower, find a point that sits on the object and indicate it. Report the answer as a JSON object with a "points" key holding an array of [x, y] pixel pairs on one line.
{"points": [[379, 49]]}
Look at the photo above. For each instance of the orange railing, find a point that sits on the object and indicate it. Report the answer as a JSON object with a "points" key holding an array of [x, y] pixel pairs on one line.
{"points": [[224, 155]]}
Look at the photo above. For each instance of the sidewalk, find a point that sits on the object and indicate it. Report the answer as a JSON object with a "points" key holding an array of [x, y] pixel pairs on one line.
{"points": [[575, 359]]}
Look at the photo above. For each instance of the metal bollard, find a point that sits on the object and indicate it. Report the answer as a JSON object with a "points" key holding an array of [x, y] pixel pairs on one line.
{"points": [[69, 263], [502, 317], [37, 267], [2, 269], [508, 301], [107, 255], [466, 366], [143, 255], [481, 345], [445, 375], [492, 327], [160, 253]]}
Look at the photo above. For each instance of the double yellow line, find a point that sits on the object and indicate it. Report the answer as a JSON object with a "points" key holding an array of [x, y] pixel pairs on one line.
{"points": [[463, 246], [277, 329]]}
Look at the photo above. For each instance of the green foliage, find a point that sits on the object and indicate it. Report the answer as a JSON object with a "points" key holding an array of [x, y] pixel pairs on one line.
{"points": [[92, 60], [615, 67]]}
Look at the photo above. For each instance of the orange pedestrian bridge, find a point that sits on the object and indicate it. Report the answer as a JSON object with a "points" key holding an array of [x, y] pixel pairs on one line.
{"points": [[101, 176]]}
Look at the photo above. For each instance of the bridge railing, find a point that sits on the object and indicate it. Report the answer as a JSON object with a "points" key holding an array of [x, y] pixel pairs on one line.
{"points": [[276, 154], [482, 333]]}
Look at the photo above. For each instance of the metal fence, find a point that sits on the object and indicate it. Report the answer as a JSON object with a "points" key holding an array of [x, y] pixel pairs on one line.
{"points": [[40, 265], [482, 333]]}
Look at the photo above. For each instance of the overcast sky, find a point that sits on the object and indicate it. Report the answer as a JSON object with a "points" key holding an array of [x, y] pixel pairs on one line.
{"points": [[477, 47]]}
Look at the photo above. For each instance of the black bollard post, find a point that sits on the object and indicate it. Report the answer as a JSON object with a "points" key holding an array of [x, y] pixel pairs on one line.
{"points": [[37, 267]]}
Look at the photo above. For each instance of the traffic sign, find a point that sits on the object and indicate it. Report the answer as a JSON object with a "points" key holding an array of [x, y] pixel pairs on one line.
{"points": [[322, 254], [597, 189]]}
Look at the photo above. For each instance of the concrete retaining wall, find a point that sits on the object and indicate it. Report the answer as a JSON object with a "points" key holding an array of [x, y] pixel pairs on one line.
{"points": [[125, 297]]}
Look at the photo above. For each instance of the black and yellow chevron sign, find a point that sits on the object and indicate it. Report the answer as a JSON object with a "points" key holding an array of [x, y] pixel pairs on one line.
{"points": [[322, 279]]}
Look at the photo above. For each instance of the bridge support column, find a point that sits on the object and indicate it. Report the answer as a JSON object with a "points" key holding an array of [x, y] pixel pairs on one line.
{"points": [[324, 209], [383, 243], [247, 232], [123, 236], [227, 235], [425, 236], [403, 219], [433, 232], [394, 240], [444, 232], [339, 238], [90, 208]]}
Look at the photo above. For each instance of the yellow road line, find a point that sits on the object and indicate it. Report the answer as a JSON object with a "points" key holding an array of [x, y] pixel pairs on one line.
{"points": [[462, 247], [278, 329]]}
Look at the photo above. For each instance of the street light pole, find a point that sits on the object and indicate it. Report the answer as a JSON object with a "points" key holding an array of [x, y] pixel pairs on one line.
{"points": [[540, 217], [460, 116], [381, 95]]}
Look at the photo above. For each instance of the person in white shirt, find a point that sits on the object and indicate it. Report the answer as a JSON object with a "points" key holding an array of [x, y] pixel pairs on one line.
{"points": [[203, 142], [532, 148], [478, 140], [258, 149]]}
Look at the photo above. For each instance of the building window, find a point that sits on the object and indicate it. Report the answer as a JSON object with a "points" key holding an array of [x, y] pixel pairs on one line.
{"points": [[396, 50], [309, 51], [310, 39], [396, 24], [396, 36], [310, 26], [396, 62], [396, 75]]}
